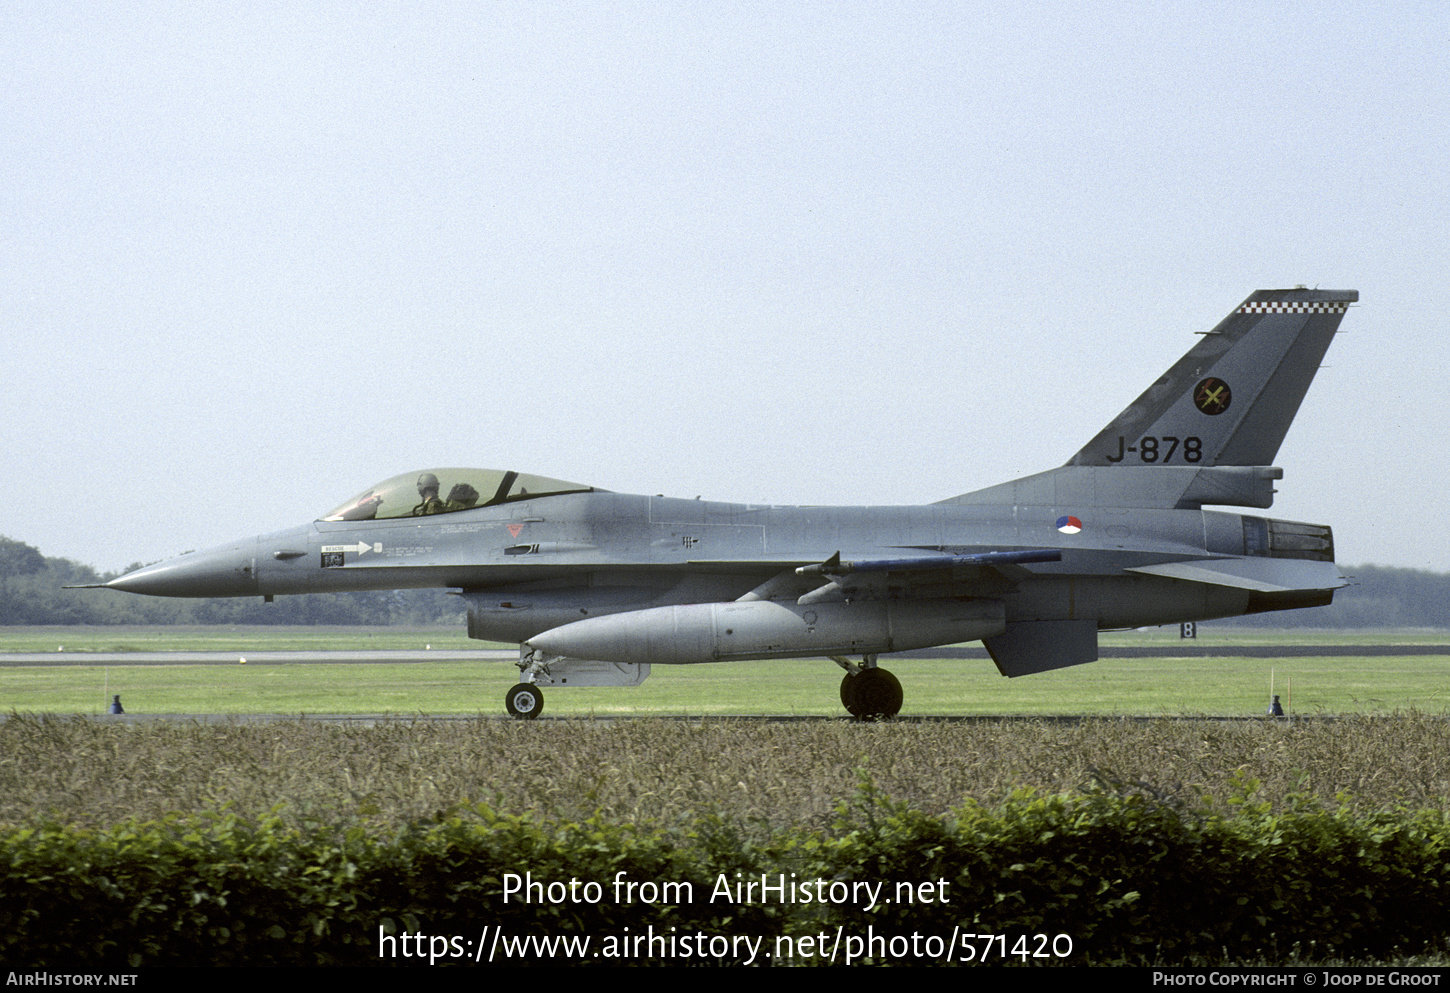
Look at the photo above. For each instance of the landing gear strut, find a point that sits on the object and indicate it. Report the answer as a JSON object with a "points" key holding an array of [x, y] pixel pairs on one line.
{"points": [[525, 700], [867, 691]]}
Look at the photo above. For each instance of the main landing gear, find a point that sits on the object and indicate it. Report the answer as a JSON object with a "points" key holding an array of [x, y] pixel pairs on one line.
{"points": [[869, 692]]}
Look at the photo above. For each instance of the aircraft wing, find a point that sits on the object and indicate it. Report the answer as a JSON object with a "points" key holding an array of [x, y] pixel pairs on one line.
{"points": [[979, 574], [835, 567]]}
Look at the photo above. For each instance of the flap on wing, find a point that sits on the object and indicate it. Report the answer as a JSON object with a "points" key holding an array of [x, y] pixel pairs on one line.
{"points": [[1261, 575]]}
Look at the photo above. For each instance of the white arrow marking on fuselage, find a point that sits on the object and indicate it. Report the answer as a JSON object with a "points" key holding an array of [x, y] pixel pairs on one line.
{"points": [[359, 548]]}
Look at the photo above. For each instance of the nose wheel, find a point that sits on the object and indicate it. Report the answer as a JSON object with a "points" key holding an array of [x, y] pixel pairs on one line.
{"points": [[525, 701]]}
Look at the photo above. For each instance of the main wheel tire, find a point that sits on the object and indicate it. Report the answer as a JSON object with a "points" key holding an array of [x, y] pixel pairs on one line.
{"points": [[848, 693], [525, 701], [876, 693]]}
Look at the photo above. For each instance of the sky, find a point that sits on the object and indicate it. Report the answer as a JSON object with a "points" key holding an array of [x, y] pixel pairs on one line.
{"points": [[259, 256]]}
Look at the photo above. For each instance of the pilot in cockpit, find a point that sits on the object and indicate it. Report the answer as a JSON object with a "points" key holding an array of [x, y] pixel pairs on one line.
{"points": [[461, 497], [428, 493]]}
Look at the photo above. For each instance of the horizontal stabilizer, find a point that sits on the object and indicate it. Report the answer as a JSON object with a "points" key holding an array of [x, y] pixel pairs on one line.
{"points": [[1264, 575]]}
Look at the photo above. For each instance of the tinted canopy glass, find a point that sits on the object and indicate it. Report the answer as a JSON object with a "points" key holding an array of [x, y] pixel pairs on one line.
{"points": [[446, 491]]}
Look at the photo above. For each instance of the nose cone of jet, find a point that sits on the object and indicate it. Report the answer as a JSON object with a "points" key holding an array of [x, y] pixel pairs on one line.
{"points": [[227, 570]]}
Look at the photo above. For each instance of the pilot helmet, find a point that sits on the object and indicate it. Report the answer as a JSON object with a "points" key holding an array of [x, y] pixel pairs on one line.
{"points": [[427, 481]]}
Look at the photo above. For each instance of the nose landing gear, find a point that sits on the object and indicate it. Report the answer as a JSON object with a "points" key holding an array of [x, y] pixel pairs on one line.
{"points": [[524, 701]]}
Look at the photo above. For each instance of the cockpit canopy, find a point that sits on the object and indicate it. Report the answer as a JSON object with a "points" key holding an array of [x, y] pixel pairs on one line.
{"points": [[445, 491]]}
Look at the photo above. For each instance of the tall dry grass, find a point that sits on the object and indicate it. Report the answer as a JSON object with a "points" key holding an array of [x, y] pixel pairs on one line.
{"points": [[96, 773]]}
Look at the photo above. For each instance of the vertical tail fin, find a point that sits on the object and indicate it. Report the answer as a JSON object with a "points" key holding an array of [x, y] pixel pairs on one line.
{"points": [[1231, 399]]}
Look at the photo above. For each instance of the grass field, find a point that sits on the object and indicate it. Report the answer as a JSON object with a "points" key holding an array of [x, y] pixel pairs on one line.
{"points": [[1388, 749], [771, 791], [96, 773], [1227, 686]]}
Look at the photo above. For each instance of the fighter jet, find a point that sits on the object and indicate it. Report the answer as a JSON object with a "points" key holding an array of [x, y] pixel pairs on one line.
{"points": [[597, 587]]}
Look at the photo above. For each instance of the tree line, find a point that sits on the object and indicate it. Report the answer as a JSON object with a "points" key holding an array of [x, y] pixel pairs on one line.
{"points": [[1378, 596], [31, 593]]}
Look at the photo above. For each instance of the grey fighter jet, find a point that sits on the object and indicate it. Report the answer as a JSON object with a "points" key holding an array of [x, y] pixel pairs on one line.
{"points": [[596, 587]]}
